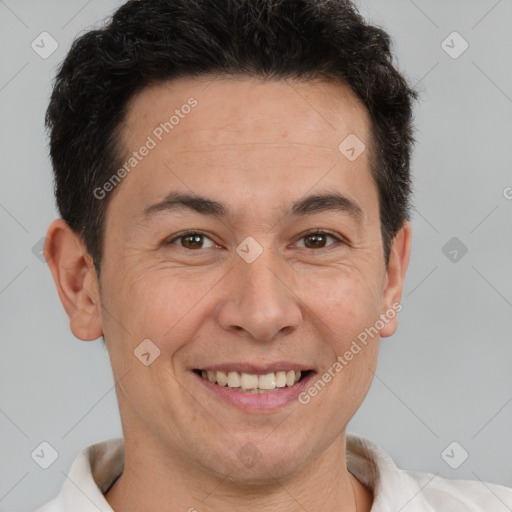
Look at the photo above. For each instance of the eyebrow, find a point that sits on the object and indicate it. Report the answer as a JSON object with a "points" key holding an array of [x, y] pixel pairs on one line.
{"points": [[316, 203]]}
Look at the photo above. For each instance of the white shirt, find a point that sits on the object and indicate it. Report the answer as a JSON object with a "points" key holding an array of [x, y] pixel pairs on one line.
{"points": [[394, 489]]}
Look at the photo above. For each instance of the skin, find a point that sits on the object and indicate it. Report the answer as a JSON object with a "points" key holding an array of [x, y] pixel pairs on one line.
{"points": [[257, 147]]}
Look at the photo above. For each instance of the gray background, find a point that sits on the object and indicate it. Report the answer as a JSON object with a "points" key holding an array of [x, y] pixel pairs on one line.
{"points": [[445, 376]]}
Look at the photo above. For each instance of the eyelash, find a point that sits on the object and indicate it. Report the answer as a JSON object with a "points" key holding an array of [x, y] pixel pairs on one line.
{"points": [[304, 235]]}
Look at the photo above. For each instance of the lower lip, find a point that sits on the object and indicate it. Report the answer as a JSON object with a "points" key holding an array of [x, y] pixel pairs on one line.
{"points": [[259, 402]]}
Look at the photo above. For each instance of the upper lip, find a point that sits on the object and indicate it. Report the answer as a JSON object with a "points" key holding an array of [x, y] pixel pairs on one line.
{"points": [[258, 369]]}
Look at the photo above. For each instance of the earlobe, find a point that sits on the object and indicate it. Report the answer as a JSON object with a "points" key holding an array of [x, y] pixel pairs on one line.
{"points": [[75, 278], [395, 276]]}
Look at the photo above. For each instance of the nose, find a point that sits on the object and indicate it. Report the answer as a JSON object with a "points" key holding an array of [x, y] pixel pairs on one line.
{"points": [[259, 300]]}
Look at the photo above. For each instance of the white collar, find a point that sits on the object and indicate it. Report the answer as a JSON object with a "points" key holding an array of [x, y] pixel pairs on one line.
{"points": [[97, 466]]}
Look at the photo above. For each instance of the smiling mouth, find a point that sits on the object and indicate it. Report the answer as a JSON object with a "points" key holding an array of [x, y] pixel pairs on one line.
{"points": [[254, 383]]}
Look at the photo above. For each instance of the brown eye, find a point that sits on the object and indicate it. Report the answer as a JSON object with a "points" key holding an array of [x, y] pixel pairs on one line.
{"points": [[192, 241], [318, 240]]}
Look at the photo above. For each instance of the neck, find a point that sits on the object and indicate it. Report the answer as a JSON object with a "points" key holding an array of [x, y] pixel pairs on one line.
{"points": [[153, 479]]}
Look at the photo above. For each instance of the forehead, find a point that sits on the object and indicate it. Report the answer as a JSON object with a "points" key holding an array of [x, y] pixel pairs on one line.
{"points": [[265, 139], [255, 110]]}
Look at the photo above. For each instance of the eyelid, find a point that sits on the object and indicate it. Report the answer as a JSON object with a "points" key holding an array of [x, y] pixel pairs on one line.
{"points": [[319, 231], [183, 234], [316, 231]]}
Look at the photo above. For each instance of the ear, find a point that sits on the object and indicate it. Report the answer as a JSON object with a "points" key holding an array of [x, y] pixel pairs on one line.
{"points": [[394, 279], [75, 278]]}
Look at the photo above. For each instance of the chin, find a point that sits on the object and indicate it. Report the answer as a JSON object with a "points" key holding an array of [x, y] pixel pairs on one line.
{"points": [[254, 463]]}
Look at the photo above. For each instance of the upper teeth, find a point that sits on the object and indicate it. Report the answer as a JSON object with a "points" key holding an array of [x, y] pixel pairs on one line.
{"points": [[247, 381]]}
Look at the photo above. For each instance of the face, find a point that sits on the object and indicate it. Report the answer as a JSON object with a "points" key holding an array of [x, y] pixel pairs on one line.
{"points": [[217, 251]]}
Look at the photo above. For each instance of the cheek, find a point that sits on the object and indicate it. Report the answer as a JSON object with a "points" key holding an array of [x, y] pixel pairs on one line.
{"points": [[347, 311], [343, 307], [161, 304]]}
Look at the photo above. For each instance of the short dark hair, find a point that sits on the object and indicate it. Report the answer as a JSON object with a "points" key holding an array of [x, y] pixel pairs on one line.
{"points": [[148, 42]]}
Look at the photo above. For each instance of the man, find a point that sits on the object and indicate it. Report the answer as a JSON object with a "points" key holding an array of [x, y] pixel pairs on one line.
{"points": [[233, 179]]}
